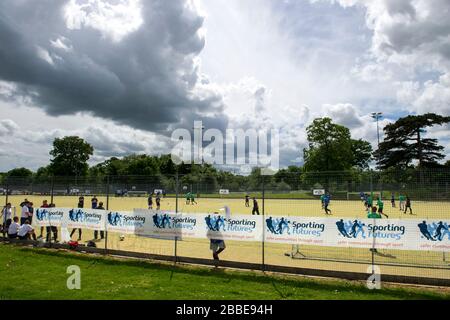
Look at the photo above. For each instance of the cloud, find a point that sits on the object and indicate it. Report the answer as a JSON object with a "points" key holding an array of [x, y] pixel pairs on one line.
{"points": [[133, 62], [7, 127]]}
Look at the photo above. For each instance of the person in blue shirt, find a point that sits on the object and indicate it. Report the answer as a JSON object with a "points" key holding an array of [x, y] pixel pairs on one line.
{"points": [[326, 203]]}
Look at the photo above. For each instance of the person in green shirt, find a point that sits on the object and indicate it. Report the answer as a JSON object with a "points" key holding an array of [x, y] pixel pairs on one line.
{"points": [[370, 201], [193, 199], [322, 200], [373, 214], [401, 201], [380, 205], [188, 198]]}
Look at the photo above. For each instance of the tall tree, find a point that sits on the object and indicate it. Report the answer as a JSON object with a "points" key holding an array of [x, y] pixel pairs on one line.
{"points": [[404, 142], [20, 173], [362, 153], [330, 147], [70, 156]]}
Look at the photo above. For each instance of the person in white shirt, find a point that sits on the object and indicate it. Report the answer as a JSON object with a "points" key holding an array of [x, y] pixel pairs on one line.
{"points": [[24, 213], [6, 215], [26, 231], [13, 229]]}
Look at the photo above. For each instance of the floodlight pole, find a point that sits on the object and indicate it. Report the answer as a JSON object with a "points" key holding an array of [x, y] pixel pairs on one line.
{"points": [[263, 226], [377, 116]]}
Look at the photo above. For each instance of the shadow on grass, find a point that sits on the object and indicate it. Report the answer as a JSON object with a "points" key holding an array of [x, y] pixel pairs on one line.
{"points": [[228, 276]]}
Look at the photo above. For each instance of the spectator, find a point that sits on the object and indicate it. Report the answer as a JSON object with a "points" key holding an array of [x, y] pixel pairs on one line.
{"points": [[30, 212], [102, 233], [26, 231], [94, 202], [216, 246], [14, 228], [44, 205], [6, 214], [80, 206], [25, 212], [52, 229]]}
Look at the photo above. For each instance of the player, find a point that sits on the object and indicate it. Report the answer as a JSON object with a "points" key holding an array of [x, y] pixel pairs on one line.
{"points": [[188, 198], [150, 201], [401, 201], [393, 200], [369, 201], [408, 205], [380, 206], [192, 198], [326, 203], [158, 201], [255, 209], [322, 200], [247, 200]]}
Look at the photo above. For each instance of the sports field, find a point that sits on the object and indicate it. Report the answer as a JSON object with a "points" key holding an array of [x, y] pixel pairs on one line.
{"points": [[412, 263], [106, 278]]}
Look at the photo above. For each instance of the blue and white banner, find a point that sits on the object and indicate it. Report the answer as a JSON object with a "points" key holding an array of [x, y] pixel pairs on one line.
{"points": [[85, 219], [405, 234], [50, 217]]}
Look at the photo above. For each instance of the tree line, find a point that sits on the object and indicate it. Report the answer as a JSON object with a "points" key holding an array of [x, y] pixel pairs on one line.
{"points": [[330, 149]]}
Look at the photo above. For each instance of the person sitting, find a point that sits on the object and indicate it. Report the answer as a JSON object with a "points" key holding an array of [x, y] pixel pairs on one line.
{"points": [[14, 228], [26, 231]]}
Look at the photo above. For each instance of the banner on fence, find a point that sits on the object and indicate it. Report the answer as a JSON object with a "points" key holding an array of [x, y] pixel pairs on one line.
{"points": [[406, 234]]}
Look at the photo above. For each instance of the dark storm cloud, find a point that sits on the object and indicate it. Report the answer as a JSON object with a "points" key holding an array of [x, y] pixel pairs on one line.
{"points": [[147, 80]]}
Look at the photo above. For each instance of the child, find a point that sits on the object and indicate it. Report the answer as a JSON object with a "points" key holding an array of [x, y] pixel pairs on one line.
{"points": [[26, 231], [14, 228], [380, 205]]}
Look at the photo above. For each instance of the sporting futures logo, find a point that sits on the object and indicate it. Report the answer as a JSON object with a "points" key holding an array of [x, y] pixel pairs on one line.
{"points": [[219, 223], [435, 231], [358, 229], [46, 215], [81, 216], [117, 219], [284, 225]]}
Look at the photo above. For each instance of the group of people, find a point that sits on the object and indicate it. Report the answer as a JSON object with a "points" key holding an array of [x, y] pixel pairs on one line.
{"points": [[157, 200], [190, 198], [95, 204], [404, 203], [22, 229]]}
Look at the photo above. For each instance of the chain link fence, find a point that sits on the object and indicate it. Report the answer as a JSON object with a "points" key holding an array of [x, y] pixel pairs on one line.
{"points": [[285, 194]]}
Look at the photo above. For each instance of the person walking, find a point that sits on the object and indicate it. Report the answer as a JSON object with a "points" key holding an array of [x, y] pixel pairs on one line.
{"points": [[255, 209]]}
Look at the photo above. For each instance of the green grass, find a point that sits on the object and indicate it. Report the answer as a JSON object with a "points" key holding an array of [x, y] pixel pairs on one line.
{"points": [[32, 273]]}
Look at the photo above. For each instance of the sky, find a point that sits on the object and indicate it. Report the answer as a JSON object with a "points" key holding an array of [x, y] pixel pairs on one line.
{"points": [[124, 74]]}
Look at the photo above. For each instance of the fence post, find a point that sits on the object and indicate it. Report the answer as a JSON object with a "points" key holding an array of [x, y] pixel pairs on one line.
{"points": [[52, 189], [176, 211], [373, 244], [263, 231], [107, 208], [7, 190], [49, 228]]}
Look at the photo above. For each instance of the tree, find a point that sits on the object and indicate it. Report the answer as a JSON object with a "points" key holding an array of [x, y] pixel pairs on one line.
{"points": [[362, 153], [20, 173], [70, 156], [405, 143], [330, 147]]}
